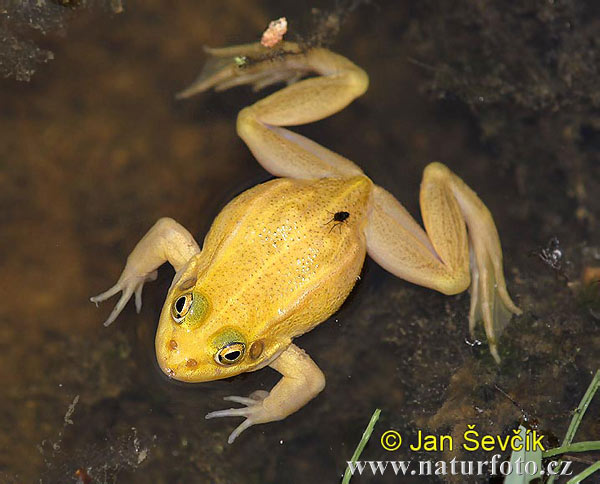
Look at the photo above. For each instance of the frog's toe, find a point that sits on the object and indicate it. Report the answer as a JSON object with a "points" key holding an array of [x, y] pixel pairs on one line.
{"points": [[490, 302], [250, 64]]}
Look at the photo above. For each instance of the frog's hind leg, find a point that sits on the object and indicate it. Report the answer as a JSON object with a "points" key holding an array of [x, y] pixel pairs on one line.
{"points": [[280, 151], [238, 65], [442, 258]]}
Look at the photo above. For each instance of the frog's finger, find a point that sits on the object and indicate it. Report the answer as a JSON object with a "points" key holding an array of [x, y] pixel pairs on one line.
{"points": [[106, 294], [125, 297], [230, 412], [138, 298], [239, 429], [242, 400], [236, 412], [151, 276]]}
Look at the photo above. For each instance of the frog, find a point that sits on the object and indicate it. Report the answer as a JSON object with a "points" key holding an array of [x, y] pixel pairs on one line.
{"points": [[283, 256]]}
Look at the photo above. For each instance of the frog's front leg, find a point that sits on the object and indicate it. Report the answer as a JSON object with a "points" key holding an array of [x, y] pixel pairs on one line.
{"points": [[441, 258], [165, 241], [302, 381]]}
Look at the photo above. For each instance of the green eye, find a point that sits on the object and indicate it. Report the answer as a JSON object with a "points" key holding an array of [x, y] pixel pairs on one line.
{"points": [[181, 307], [230, 354]]}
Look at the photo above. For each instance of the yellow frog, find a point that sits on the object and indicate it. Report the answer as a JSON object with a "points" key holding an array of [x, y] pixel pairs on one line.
{"points": [[283, 256]]}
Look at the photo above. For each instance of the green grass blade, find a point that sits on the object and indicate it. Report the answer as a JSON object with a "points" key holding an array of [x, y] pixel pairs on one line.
{"points": [[577, 447], [581, 409], [586, 473], [576, 420], [361, 445], [525, 456]]}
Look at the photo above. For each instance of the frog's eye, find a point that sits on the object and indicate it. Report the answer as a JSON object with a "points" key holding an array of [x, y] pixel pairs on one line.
{"points": [[181, 307], [230, 354]]}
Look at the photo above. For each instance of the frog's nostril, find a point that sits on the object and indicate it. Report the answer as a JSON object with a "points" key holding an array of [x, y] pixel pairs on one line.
{"points": [[191, 363], [173, 344]]}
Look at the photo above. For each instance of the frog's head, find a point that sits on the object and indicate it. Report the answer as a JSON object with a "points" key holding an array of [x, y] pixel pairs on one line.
{"points": [[192, 346]]}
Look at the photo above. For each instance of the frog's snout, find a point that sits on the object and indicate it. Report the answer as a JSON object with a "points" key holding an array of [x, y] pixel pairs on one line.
{"points": [[168, 363], [177, 361], [172, 373], [172, 345]]}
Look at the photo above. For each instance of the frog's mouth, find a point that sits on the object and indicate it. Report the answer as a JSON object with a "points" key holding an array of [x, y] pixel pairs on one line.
{"points": [[189, 369]]}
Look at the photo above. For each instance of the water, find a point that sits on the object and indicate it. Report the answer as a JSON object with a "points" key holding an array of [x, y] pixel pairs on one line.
{"points": [[95, 149]]}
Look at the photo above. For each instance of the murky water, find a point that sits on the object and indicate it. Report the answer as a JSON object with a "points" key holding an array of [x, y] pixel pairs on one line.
{"points": [[94, 149]]}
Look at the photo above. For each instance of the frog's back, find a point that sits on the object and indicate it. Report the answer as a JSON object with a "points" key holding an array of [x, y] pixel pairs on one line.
{"points": [[283, 256]]}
